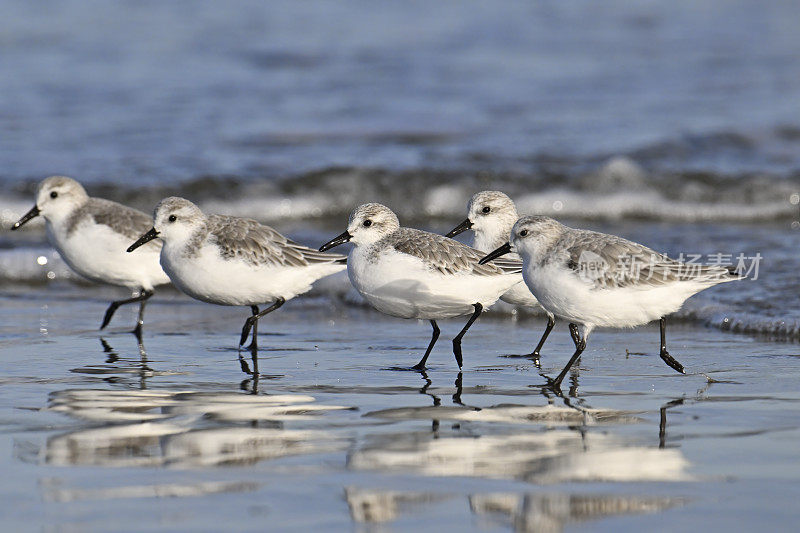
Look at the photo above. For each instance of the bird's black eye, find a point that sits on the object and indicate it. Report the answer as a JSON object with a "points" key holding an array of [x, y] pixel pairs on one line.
{"points": [[172, 218], [523, 233], [54, 194], [487, 209], [367, 223]]}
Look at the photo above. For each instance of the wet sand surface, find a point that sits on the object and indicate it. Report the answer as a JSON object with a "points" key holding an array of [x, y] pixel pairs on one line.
{"points": [[98, 433]]}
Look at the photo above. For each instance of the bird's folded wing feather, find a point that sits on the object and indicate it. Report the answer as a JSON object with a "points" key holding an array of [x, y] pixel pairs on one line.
{"points": [[262, 245], [449, 256], [611, 261]]}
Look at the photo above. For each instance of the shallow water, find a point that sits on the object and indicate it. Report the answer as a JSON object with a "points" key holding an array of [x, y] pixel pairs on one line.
{"points": [[98, 433]]}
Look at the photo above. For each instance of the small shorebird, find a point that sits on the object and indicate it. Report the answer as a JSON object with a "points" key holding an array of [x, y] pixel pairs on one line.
{"points": [[594, 279], [409, 273], [490, 215], [90, 234], [229, 260]]}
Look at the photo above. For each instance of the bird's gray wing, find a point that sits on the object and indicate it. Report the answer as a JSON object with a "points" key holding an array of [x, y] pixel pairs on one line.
{"points": [[609, 261], [127, 221], [259, 244], [449, 256]]}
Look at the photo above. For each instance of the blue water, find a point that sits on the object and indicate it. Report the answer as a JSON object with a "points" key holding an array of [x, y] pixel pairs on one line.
{"points": [[98, 434], [151, 91]]}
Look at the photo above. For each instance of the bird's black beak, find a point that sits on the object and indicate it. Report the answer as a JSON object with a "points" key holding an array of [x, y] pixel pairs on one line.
{"points": [[461, 228], [503, 250], [336, 241], [33, 213], [147, 237]]}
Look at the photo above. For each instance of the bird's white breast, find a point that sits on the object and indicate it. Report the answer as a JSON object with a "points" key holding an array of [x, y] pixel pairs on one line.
{"points": [[560, 291], [98, 253], [402, 285], [212, 278]]}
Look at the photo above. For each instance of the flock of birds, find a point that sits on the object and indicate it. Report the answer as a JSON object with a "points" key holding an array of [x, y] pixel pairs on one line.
{"points": [[587, 278]]}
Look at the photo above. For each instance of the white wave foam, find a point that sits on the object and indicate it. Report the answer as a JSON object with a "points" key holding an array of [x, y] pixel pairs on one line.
{"points": [[274, 208], [449, 201], [562, 203]]}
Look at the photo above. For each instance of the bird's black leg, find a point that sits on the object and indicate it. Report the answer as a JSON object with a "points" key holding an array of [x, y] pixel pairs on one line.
{"points": [[254, 358], [143, 296], [253, 349], [251, 320], [140, 320], [664, 353], [253, 343], [551, 321], [580, 345], [145, 368], [457, 339], [421, 365]]}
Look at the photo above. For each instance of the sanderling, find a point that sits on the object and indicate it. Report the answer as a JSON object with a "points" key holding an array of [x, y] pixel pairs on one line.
{"points": [[228, 260], [90, 234], [490, 215], [411, 273], [594, 279]]}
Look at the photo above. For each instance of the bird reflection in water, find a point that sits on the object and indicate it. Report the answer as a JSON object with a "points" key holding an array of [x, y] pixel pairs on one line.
{"points": [[551, 512], [183, 428], [113, 356], [662, 424], [549, 443], [253, 358], [250, 384], [574, 375], [539, 512], [115, 367], [437, 401]]}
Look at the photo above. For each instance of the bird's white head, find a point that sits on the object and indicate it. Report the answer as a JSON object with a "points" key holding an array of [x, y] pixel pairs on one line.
{"points": [[531, 235], [177, 219], [491, 213], [370, 222], [58, 196]]}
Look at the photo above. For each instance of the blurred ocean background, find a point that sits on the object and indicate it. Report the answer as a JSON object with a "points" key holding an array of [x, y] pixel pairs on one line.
{"points": [[676, 124]]}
